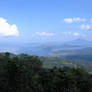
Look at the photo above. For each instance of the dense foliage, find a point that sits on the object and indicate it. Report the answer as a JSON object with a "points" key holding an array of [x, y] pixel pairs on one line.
{"points": [[24, 73], [59, 62]]}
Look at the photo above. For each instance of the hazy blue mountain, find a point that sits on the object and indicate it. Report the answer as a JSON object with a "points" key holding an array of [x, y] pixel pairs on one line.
{"points": [[80, 42], [84, 54], [44, 49]]}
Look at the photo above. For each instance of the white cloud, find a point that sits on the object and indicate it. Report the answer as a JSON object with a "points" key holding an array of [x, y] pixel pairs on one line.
{"points": [[71, 33], [44, 34], [7, 29], [86, 27], [68, 20], [71, 20], [75, 34]]}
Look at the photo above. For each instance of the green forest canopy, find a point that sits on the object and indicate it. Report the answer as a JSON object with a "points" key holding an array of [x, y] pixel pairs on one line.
{"points": [[25, 73]]}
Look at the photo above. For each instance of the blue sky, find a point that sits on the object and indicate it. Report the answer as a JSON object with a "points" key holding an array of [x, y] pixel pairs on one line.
{"points": [[45, 20]]}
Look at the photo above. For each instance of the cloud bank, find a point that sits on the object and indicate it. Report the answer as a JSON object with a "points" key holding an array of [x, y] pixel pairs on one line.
{"points": [[44, 34], [7, 29], [86, 27], [71, 33], [72, 20]]}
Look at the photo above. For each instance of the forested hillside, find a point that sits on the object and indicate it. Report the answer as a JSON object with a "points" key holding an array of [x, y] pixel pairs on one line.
{"points": [[59, 62], [25, 73]]}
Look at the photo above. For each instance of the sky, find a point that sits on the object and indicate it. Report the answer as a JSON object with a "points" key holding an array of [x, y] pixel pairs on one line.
{"points": [[45, 20]]}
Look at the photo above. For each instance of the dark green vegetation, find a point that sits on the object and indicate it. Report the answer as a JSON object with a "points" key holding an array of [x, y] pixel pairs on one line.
{"points": [[24, 73], [60, 61]]}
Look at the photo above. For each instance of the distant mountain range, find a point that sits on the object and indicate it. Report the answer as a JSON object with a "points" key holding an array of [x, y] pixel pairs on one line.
{"points": [[47, 49], [76, 50]]}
